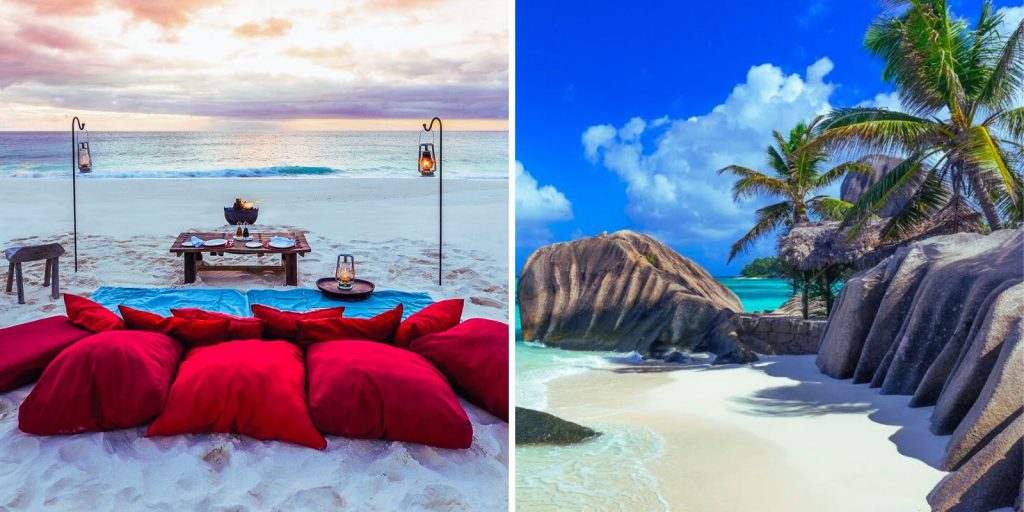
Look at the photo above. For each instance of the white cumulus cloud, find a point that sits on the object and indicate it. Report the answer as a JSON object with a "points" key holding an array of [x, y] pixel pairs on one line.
{"points": [[537, 206], [535, 203], [669, 165]]}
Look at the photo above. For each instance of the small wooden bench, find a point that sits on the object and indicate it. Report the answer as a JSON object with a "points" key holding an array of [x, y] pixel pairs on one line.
{"points": [[18, 255]]}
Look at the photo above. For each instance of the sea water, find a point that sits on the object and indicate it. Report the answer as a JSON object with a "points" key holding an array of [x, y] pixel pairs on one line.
{"points": [[252, 155], [609, 472]]}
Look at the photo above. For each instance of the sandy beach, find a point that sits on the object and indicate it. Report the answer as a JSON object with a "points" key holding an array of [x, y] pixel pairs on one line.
{"points": [[125, 227], [773, 436]]}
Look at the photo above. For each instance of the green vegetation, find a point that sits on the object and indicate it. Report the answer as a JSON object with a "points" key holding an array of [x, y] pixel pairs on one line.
{"points": [[652, 259], [961, 86], [762, 267], [961, 137], [796, 163]]}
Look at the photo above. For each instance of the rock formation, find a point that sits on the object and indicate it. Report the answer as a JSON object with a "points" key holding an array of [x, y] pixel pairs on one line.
{"points": [[854, 184], [536, 427], [942, 319], [626, 292]]}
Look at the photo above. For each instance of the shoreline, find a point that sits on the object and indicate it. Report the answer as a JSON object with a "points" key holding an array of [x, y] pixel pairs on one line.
{"points": [[825, 440]]}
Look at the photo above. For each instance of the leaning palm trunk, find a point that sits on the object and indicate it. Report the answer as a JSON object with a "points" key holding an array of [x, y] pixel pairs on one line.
{"points": [[985, 201]]}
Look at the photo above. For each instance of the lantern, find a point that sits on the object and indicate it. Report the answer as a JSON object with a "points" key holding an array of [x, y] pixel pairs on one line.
{"points": [[427, 161], [84, 158], [345, 272]]}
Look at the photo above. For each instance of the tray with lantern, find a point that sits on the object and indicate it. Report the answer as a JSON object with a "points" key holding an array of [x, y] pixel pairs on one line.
{"points": [[344, 285]]}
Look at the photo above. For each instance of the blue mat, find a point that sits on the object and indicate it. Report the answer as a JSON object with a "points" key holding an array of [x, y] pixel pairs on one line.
{"points": [[234, 302], [161, 300], [305, 300]]}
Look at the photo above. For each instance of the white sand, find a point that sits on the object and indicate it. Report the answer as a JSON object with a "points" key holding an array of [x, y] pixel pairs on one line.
{"points": [[775, 436], [125, 230]]}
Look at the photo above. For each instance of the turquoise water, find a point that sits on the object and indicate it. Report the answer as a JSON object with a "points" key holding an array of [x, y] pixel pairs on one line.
{"points": [[252, 155], [759, 294], [608, 473]]}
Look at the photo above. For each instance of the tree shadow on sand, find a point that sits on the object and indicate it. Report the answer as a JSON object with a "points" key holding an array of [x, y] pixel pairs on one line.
{"points": [[816, 394]]}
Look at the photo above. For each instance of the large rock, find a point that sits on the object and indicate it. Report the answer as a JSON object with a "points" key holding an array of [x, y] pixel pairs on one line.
{"points": [[943, 320], [537, 427], [855, 184], [625, 292]]}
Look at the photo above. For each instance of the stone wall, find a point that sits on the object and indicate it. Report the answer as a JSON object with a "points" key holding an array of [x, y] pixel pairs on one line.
{"points": [[779, 334]]}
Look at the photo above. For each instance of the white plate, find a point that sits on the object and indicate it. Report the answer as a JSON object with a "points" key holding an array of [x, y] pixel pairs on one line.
{"points": [[282, 245], [254, 245], [216, 242]]}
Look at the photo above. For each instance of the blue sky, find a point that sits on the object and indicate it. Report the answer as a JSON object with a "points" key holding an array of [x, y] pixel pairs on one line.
{"points": [[625, 110]]}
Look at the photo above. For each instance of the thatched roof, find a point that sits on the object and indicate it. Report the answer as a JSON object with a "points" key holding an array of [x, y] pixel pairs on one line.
{"points": [[816, 245]]}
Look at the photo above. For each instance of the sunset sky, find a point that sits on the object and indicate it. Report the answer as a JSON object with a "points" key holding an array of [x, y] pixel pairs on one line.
{"points": [[235, 65]]}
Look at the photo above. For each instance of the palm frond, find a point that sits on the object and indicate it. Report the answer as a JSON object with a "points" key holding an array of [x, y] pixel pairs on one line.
{"points": [[769, 219], [753, 182], [833, 174], [983, 154], [890, 185], [929, 198], [1011, 122], [879, 129], [1007, 75], [829, 208]]}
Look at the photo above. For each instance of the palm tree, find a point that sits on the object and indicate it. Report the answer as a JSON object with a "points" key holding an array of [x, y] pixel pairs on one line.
{"points": [[797, 179], [962, 89]]}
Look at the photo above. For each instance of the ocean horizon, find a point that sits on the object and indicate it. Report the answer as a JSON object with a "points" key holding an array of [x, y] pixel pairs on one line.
{"points": [[214, 154]]}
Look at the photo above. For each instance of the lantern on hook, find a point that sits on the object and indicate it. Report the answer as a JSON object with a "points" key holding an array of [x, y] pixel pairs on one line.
{"points": [[427, 161], [84, 157]]}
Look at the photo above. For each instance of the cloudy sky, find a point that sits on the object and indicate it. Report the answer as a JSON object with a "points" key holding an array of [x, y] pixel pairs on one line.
{"points": [[626, 130], [231, 64]]}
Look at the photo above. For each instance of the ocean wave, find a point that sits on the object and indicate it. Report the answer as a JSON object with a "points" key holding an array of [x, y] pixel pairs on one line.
{"points": [[253, 172], [284, 171]]}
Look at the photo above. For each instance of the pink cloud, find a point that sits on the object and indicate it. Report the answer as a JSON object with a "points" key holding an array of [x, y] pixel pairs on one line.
{"points": [[270, 27], [165, 13], [50, 36]]}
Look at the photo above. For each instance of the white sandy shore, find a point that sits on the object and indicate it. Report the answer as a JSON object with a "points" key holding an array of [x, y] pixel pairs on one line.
{"points": [[774, 436], [125, 228]]}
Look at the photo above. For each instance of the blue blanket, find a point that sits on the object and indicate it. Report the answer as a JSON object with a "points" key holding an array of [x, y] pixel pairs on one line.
{"points": [[234, 302]]}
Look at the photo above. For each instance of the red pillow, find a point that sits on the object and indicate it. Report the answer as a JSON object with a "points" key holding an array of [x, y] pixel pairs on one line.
{"points": [[474, 356], [86, 313], [250, 387], [379, 328], [282, 325], [108, 381], [239, 327], [194, 333], [369, 390], [436, 317], [29, 347]]}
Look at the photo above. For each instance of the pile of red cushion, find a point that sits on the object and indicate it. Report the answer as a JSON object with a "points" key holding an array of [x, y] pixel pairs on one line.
{"points": [[278, 375]]}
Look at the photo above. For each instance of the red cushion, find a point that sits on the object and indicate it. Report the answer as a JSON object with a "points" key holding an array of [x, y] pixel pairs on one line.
{"points": [[26, 349], [239, 327], [194, 333], [107, 381], [90, 315], [250, 387], [474, 356], [379, 328], [281, 325], [369, 390], [436, 317]]}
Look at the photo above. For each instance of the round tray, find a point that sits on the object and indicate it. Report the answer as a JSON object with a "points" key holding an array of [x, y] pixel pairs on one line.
{"points": [[361, 289]]}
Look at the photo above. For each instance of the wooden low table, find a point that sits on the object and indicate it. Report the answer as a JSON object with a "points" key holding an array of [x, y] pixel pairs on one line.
{"points": [[194, 263]]}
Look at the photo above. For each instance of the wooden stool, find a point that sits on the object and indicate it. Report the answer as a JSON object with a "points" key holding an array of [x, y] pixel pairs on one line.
{"points": [[18, 255]]}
